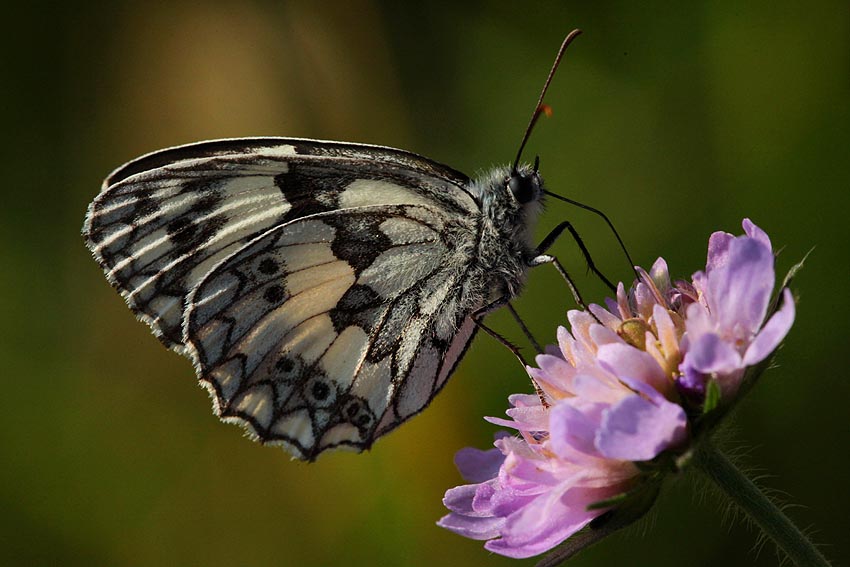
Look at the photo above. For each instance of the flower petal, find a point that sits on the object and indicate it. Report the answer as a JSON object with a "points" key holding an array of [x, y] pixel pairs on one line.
{"points": [[547, 521], [718, 250], [591, 389], [503, 422], [660, 275], [476, 465], [580, 322], [472, 527], [738, 293], [755, 232], [644, 300], [551, 363], [604, 316], [613, 307], [570, 428], [709, 353], [550, 383], [623, 302], [459, 499], [529, 418], [627, 361], [773, 331], [529, 476], [567, 345], [605, 335], [697, 323], [667, 334], [637, 429]]}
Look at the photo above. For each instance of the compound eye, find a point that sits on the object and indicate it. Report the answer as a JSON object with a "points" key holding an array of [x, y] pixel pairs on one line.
{"points": [[522, 188]]}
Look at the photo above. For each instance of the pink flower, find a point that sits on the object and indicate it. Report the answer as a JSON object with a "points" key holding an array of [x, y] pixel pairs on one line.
{"points": [[575, 449], [613, 393]]}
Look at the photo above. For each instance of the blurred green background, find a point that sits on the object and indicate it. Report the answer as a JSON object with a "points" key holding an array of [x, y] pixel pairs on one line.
{"points": [[677, 121]]}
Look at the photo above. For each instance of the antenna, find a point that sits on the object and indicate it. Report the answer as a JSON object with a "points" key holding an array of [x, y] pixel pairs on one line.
{"points": [[540, 107]]}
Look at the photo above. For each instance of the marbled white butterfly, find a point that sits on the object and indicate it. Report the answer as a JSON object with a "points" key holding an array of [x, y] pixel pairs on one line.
{"points": [[324, 291]]}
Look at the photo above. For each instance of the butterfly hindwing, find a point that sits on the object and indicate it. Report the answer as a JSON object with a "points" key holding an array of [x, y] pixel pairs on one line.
{"points": [[332, 329]]}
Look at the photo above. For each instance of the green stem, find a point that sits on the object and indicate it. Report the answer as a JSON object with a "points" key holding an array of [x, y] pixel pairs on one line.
{"points": [[743, 492]]}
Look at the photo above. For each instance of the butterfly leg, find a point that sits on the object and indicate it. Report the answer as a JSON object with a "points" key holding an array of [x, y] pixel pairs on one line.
{"points": [[482, 312], [556, 233], [504, 301], [478, 316], [541, 259], [524, 328]]}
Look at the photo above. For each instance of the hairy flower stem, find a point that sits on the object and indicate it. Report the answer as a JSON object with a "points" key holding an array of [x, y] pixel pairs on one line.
{"points": [[747, 496]]}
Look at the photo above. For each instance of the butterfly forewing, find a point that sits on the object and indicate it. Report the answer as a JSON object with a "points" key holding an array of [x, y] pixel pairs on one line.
{"points": [[319, 287], [156, 233], [164, 220]]}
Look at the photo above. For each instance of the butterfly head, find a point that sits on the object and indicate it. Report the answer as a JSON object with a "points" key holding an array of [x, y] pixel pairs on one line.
{"points": [[511, 199], [525, 189], [525, 185]]}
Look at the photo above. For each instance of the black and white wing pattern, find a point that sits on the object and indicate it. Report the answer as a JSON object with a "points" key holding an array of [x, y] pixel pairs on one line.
{"points": [[333, 329], [322, 289], [162, 221]]}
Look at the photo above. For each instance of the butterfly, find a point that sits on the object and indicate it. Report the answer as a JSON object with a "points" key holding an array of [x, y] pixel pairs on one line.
{"points": [[324, 291]]}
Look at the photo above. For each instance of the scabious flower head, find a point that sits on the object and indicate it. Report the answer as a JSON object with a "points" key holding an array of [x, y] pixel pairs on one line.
{"points": [[617, 398]]}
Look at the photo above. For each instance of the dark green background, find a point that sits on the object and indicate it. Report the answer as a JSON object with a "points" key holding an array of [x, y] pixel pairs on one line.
{"points": [[675, 121]]}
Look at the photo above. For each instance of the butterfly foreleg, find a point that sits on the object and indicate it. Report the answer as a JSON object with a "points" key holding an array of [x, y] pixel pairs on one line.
{"points": [[556, 233]]}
